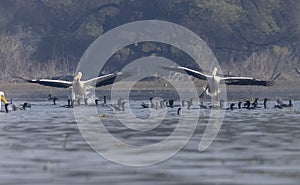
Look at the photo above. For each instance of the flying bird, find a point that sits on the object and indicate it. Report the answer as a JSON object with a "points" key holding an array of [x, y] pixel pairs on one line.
{"points": [[214, 80], [80, 88]]}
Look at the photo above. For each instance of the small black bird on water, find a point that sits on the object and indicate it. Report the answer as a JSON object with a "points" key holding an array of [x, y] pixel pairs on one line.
{"points": [[231, 107], [171, 103], [26, 105], [265, 102], [150, 105], [53, 99], [282, 105], [97, 101]]}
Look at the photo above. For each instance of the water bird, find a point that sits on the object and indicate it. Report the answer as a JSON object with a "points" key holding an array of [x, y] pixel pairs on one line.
{"points": [[50, 97], [265, 102], [211, 106], [178, 111], [150, 105], [14, 107], [202, 106], [69, 105], [80, 88], [278, 105], [144, 105], [162, 104], [189, 103], [104, 99], [240, 104], [221, 104], [231, 107], [171, 103], [182, 103], [290, 104], [214, 81], [26, 105], [97, 101], [120, 106], [255, 103], [247, 105], [282, 105]]}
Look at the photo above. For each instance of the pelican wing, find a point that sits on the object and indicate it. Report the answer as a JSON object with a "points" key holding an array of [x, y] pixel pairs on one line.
{"points": [[116, 78], [297, 70], [101, 80], [188, 71], [51, 83], [246, 81]]}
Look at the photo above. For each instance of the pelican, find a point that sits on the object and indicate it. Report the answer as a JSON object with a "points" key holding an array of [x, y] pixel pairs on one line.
{"points": [[214, 81], [80, 88]]}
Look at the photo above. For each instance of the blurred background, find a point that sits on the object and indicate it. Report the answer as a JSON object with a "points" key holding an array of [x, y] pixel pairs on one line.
{"points": [[42, 38]]}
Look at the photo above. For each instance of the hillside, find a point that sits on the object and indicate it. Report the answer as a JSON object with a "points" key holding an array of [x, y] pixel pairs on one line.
{"points": [[41, 38]]}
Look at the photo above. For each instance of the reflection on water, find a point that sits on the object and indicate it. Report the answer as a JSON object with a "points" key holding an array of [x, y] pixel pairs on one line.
{"points": [[43, 146]]}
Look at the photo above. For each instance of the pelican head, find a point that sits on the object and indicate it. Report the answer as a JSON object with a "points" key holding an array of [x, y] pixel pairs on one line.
{"points": [[214, 73], [78, 76]]}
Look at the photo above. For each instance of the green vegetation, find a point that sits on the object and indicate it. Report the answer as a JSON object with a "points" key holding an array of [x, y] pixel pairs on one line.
{"points": [[47, 37]]}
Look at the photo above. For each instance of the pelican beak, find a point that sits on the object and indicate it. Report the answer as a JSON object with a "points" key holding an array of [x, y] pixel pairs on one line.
{"points": [[78, 76]]}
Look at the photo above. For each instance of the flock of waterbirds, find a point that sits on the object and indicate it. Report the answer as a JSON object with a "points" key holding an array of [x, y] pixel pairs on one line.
{"points": [[248, 104], [81, 91]]}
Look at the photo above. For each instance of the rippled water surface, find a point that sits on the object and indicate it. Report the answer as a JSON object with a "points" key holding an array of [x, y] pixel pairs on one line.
{"points": [[43, 145]]}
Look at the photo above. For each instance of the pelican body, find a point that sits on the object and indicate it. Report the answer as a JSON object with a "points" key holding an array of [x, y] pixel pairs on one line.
{"points": [[78, 86]]}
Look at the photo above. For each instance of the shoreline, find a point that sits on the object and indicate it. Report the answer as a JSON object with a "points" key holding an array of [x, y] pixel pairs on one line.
{"points": [[284, 89]]}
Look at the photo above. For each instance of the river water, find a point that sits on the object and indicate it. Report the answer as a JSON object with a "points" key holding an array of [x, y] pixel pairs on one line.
{"points": [[43, 145]]}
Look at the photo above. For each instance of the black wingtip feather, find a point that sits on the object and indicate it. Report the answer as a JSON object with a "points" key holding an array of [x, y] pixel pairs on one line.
{"points": [[270, 83]]}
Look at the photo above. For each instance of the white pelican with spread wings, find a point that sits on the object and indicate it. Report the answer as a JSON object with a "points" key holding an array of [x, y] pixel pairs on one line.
{"points": [[80, 88], [214, 80]]}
